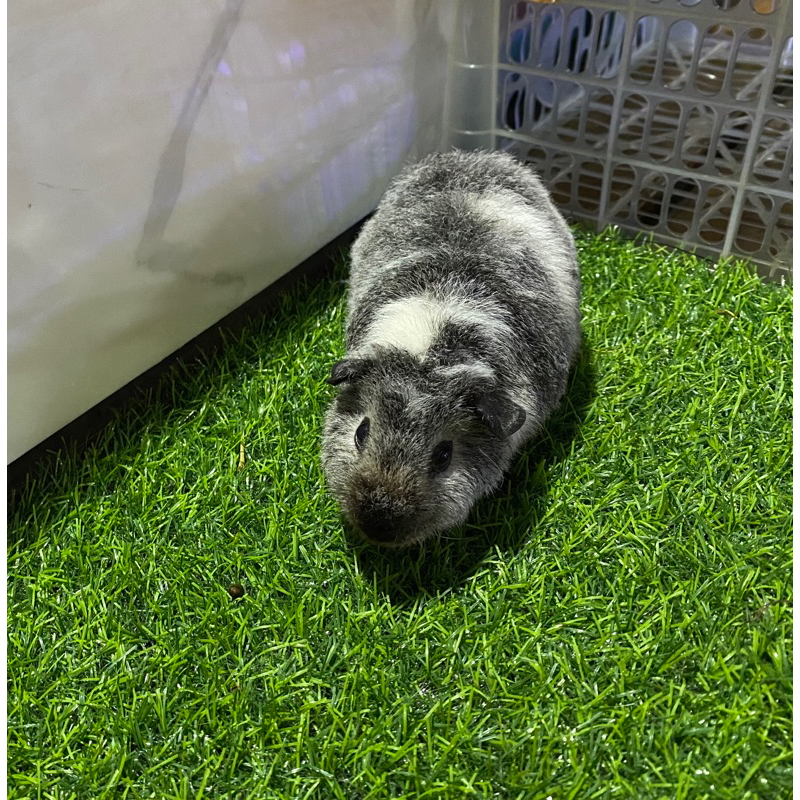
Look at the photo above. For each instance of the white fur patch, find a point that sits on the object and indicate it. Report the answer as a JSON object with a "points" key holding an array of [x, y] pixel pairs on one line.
{"points": [[413, 323], [475, 369], [518, 220], [410, 324]]}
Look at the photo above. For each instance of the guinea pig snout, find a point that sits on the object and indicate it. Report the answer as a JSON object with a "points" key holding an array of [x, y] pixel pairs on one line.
{"points": [[382, 514]]}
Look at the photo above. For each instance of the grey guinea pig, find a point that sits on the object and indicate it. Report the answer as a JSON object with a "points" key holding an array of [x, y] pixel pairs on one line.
{"points": [[463, 324]]}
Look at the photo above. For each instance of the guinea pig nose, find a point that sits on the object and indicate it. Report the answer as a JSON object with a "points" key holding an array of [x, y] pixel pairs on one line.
{"points": [[382, 534], [376, 524]]}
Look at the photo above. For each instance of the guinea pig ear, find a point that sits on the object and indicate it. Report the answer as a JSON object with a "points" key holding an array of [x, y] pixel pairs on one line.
{"points": [[502, 416], [348, 369]]}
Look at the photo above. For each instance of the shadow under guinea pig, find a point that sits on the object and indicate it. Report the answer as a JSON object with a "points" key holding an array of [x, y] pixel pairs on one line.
{"points": [[503, 520]]}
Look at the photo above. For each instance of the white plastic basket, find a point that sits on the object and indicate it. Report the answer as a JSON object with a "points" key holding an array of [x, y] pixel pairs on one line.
{"points": [[660, 116]]}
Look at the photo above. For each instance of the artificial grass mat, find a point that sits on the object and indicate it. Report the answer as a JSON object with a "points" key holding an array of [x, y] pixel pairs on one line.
{"points": [[615, 622]]}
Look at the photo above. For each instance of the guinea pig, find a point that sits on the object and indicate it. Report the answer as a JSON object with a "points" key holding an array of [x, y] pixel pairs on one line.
{"points": [[463, 324]]}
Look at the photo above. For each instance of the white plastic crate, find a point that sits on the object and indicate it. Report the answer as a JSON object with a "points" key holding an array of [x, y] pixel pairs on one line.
{"points": [[660, 116]]}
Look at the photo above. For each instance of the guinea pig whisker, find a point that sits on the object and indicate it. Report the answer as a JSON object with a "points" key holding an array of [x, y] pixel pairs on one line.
{"points": [[488, 458]]}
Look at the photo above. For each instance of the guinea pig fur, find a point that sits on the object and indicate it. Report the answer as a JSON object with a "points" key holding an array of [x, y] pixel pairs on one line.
{"points": [[463, 324]]}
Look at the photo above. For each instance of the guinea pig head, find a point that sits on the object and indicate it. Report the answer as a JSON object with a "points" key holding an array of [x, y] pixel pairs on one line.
{"points": [[409, 447]]}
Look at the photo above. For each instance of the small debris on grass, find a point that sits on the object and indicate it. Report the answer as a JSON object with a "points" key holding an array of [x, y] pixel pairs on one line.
{"points": [[241, 456], [236, 590]]}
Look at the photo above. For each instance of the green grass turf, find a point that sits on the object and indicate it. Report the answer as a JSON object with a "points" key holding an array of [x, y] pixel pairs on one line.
{"points": [[615, 622]]}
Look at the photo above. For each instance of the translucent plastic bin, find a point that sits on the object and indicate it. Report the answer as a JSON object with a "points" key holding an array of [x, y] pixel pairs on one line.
{"points": [[168, 161], [667, 117]]}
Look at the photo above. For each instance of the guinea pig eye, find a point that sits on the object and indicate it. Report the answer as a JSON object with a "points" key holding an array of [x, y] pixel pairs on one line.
{"points": [[362, 431], [441, 456]]}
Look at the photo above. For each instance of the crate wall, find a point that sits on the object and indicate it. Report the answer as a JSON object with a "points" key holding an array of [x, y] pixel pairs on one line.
{"points": [[665, 117]]}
